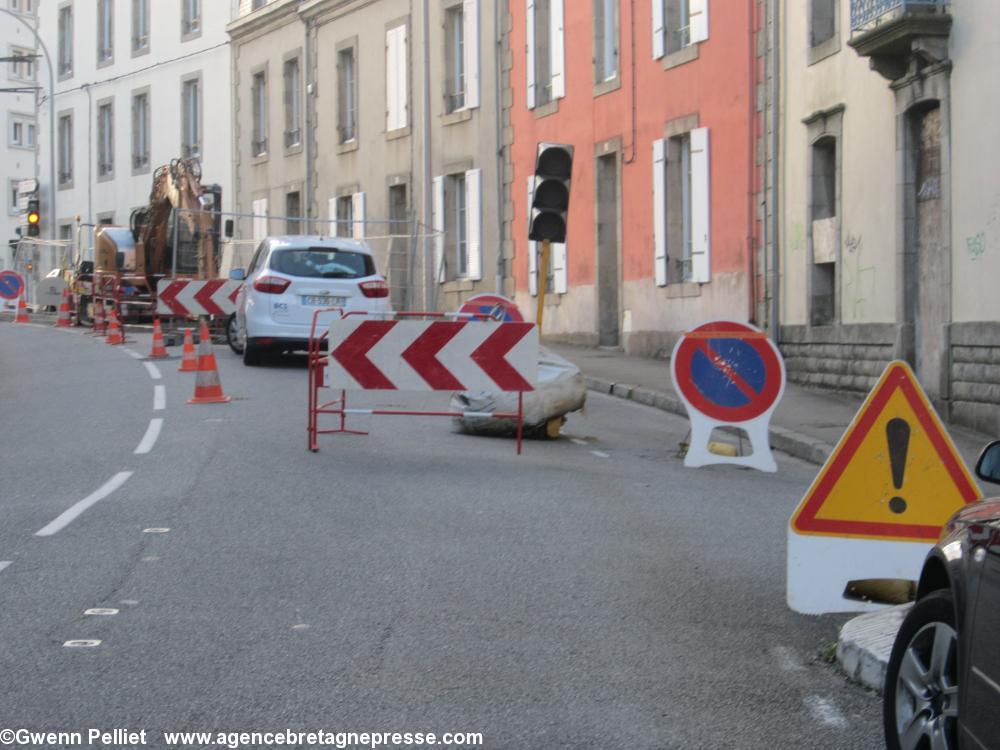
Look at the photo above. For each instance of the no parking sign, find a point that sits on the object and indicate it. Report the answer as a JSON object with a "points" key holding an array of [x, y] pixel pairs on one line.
{"points": [[11, 284], [728, 374]]}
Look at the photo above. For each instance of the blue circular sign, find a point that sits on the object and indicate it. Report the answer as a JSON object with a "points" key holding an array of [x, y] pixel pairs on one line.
{"points": [[11, 284]]}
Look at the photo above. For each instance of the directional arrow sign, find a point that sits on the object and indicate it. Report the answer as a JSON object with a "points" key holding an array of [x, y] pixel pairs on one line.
{"points": [[196, 297], [432, 355]]}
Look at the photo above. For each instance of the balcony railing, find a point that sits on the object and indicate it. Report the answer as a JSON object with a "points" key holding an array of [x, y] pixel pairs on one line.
{"points": [[868, 13]]}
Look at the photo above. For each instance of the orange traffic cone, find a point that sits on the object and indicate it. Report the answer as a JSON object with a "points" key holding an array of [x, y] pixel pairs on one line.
{"points": [[207, 388], [189, 360], [159, 350], [115, 336], [63, 320], [22, 310], [100, 323]]}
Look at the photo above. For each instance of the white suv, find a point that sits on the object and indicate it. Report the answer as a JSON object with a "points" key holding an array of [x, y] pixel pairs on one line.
{"points": [[290, 278]]}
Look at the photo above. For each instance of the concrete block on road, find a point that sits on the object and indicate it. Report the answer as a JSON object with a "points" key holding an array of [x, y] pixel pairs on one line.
{"points": [[865, 643]]}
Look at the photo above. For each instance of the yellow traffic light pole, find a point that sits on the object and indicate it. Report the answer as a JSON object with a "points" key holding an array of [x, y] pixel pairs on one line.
{"points": [[543, 282]]}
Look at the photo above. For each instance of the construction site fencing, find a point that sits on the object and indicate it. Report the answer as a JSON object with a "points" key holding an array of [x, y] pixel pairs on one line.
{"points": [[34, 259]]}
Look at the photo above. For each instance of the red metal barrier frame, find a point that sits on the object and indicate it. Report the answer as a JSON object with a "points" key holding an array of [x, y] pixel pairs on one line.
{"points": [[317, 363]]}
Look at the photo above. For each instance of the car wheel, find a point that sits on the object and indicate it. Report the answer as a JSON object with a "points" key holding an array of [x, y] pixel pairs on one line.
{"points": [[920, 700], [252, 355], [233, 335]]}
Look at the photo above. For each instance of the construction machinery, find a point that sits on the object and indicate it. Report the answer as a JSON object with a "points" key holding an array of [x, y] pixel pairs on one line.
{"points": [[177, 235]]}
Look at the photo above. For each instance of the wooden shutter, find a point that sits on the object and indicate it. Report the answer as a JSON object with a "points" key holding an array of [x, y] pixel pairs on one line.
{"points": [[359, 205], [396, 68], [701, 197], [698, 13], [659, 37], [532, 246], [259, 219], [470, 19], [530, 50], [474, 223], [660, 212], [331, 212], [437, 208], [557, 50]]}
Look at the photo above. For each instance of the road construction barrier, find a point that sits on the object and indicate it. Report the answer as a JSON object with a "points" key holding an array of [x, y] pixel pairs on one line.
{"points": [[190, 297], [63, 320], [22, 309], [116, 334], [159, 351], [417, 351], [207, 386], [189, 359]]}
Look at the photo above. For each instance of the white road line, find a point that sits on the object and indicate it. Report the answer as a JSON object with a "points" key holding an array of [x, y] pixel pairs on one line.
{"points": [[132, 354], [149, 439], [153, 370], [825, 712], [159, 397], [70, 514], [600, 454], [4, 563], [578, 441]]}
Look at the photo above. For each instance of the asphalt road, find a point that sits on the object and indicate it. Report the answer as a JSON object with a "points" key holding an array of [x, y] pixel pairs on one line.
{"points": [[591, 593]]}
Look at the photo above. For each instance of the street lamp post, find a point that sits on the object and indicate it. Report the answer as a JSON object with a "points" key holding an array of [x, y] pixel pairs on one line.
{"points": [[52, 121]]}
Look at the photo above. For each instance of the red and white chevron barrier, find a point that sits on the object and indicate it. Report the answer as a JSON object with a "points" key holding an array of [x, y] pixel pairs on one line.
{"points": [[442, 355], [196, 297]]}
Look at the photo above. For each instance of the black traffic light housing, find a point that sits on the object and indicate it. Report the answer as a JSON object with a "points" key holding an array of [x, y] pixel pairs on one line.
{"points": [[33, 217], [550, 205]]}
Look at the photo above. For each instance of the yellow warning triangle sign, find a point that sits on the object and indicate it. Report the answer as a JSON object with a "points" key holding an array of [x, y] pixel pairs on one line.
{"points": [[895, 474]]}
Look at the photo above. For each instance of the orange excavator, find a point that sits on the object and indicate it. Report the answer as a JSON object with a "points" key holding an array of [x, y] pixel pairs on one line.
{"points": [[176, 235]]}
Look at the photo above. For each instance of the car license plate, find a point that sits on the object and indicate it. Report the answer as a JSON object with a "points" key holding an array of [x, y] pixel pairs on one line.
{"points": [[323, 300]]}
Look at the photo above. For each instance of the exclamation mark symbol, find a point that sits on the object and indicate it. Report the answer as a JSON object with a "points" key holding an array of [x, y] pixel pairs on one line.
{"points": [[897, 432]]}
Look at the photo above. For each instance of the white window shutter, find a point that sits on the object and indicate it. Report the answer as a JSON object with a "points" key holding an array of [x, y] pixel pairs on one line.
{"points": [[391, 82], [701, 197], [358, 207], [659, 36], [474, 222], [532, 246], [403, 78], [470, 19], [560, 275], [259, 219], [699, 20], [660, 211], [437, 208], [557, 49], [331, 213], [530, 50]]}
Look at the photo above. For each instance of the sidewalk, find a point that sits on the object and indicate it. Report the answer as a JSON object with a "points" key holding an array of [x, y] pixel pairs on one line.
{"points": [[807, 424]]}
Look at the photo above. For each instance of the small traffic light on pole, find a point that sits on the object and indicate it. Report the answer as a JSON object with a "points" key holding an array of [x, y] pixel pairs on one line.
{"points": [[549, 208], [33, 217]]}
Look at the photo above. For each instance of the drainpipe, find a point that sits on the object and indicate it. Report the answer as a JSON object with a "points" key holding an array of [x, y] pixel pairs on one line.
{"points": [[775, 142], [429, 271], [498, 31], [307, 150], [90, 152]]}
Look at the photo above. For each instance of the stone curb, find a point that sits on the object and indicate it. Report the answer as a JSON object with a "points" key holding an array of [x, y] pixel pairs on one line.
{"points": [[865, 643], [781, 438]]}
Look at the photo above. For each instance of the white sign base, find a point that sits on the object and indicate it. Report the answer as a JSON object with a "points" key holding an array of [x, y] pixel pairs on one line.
{"points": [[820, 567], [757, 434]]}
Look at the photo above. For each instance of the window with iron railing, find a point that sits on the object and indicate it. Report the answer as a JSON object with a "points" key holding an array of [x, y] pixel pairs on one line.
{"points": [[65, 40], [869, 13], [105, 31], [140, 25], [140, 131], [293, 102], [190, 17], [65, 149], [347, 95], [191, 112], [258, 92], [105, 140], [454, 59]]}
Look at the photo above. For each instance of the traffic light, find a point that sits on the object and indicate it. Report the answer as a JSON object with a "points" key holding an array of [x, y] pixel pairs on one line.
{"points": [[33, 217], [553, 170]]}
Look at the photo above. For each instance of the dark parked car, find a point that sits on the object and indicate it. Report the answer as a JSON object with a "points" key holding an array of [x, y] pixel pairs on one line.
{"points": [[942, 688]]}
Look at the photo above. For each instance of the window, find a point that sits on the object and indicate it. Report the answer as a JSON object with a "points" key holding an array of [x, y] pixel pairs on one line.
{"points": [[22, 132], [22, 6], [12, 207], [545, 52], [454, 59], [345, 216], [681, 208], [65, 150], [396, 75], [191, 117], [605, 40], [140, 131], [258, 4], [105, 140], [457, 209], [347, 95], [293, 103], [825, 231], [66, 40], [22, 69], [190, 17], [293, 211], [105, 32], [258, 93], [677, 24], [140, 25], [822, 21]]}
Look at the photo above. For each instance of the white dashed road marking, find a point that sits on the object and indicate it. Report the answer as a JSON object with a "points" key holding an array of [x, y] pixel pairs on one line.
{"points": [[149, 439], [73, 511], [578, 441], [132, 354], [600, 454], [159, 397], [825, 712], [4, 564], [153, 370]]}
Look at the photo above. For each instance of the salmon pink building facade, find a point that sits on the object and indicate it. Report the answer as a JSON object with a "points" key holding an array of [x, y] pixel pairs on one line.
{"points": [[658, 98]]}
